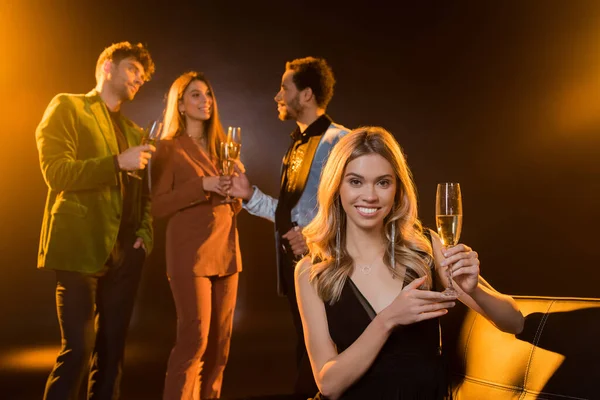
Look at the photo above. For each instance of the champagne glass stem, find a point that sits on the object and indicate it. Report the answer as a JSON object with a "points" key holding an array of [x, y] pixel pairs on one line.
{"points": [[449, 276], [450, 290], [224, 170]]}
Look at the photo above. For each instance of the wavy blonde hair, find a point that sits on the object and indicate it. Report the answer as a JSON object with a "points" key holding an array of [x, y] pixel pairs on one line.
{"points": [[331, 264], [174, 122]]}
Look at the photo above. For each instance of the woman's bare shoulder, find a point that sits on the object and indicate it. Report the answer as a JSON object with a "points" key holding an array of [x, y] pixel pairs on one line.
{"points": [[303, 268]]}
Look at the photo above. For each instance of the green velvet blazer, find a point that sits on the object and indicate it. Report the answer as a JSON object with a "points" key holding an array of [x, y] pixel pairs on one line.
{"points": [[77, 147]]}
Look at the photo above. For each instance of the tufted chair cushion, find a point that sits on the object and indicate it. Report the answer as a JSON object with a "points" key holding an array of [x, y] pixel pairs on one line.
{"points": [[556, 357]]}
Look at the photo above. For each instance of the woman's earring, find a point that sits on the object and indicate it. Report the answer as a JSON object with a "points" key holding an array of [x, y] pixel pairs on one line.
{"points": [[338, 239], [393, 245]]}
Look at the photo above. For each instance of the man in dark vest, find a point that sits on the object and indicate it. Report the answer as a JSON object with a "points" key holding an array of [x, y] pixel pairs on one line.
{"points": [[306, 89]]}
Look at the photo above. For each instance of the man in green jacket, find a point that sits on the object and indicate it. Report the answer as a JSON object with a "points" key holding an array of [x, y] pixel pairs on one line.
{"points": [[97, 228]]}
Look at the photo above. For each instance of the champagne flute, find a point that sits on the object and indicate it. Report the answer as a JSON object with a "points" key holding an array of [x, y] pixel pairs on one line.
{"points": [[234, 145], [226, 153], [151, 135], [234, 138], [448, 218]]}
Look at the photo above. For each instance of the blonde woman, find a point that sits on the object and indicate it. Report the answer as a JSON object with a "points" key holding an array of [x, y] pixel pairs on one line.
{"points": [[369, 290], [202, 249]]}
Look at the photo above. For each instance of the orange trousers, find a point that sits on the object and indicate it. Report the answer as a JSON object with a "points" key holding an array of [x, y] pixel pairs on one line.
{"points": [[205, 307]]}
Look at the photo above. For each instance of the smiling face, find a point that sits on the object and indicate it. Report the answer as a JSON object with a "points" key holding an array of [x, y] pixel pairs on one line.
{"points": [[197, 101], [125, 77], [367, 191]]}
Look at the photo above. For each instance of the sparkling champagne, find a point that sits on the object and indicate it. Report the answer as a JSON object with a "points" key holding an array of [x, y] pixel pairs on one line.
{"points": [[234, 150], [228, 167], [230, 152], [449, 227]]}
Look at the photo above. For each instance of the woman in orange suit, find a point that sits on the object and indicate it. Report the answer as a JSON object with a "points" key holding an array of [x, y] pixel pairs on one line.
{"points": [[202, 249]]}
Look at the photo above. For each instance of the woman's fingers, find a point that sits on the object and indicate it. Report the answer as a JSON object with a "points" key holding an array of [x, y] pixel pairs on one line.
{"points": [[413, 304], [463, 255], [450, 251], [467, 261], [465, 270], [431, 307], [414, 284], [428, 296], [430, 315]]}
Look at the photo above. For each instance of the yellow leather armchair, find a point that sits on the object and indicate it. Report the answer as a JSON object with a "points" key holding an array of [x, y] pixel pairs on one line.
{"points": [[557, 356]]}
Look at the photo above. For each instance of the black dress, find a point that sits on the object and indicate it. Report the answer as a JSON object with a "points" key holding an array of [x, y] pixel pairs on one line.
{"points": [[409, 365]]}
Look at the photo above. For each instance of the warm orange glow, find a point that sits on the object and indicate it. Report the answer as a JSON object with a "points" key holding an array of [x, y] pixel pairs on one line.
{"points": [[30, 358], [578, 106], [576, 101], [43, 357]]}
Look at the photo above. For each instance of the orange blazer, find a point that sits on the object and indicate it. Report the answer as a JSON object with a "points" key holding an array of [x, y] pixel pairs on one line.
{"points": [[202, 237]]}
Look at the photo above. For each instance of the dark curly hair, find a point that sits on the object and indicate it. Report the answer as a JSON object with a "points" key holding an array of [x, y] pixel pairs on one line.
{"points": [[117, 52], [315, 73]]}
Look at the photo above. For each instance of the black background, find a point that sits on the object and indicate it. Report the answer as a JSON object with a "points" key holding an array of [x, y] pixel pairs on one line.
{"points": [[499, 96]]}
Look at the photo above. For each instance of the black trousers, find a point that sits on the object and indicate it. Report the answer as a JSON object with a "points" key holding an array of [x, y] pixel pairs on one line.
{"points": [[94, 314], [305, 382]]}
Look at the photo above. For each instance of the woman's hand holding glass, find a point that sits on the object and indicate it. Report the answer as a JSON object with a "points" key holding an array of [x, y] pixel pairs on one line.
{"points": [[229, 155], [464, 264], [217, 184], [448, 218]]}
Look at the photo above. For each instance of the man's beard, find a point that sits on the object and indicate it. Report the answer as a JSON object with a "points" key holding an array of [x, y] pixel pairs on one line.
{"points": [[127, 94], [122, 90], [292, 110]]}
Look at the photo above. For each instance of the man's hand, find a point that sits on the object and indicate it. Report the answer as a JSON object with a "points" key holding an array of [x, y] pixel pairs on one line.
{"points": [[135, 158], [240, 185], [296, 239], [139, 242]]}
